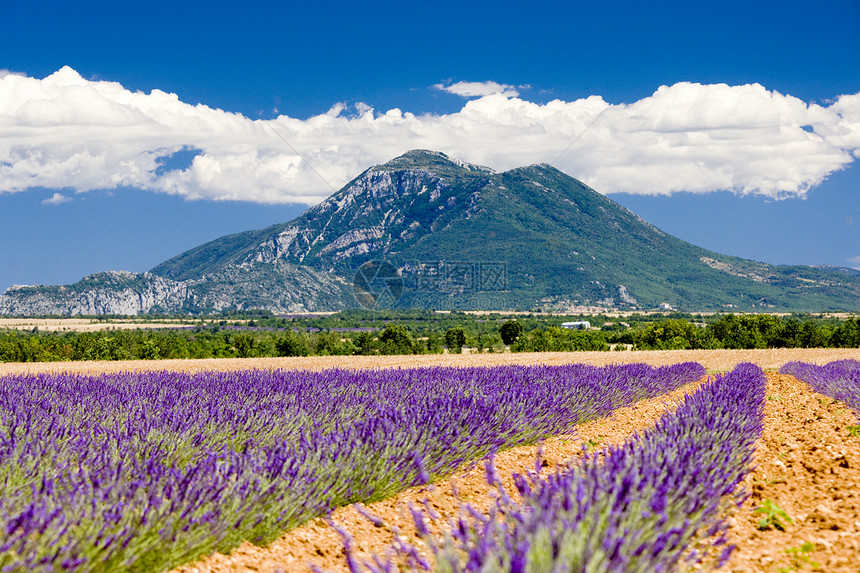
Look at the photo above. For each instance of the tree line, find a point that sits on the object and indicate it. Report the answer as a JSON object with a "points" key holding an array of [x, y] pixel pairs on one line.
{"points": [[530, 335]]}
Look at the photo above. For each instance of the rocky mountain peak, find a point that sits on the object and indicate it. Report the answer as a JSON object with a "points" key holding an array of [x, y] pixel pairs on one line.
{"points": [[434, 161]]}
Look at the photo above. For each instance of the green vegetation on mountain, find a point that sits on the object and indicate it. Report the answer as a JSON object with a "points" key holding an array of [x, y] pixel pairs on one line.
{"points": [[551, 242], [456, 237]]}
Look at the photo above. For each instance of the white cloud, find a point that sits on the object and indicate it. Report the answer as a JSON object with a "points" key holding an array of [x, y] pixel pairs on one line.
{"points": [[56, 199], [65, 132], [854, 262], [479, 89]]}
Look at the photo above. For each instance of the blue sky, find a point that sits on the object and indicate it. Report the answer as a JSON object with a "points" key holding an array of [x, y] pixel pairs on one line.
{"points": [[129, 134]]}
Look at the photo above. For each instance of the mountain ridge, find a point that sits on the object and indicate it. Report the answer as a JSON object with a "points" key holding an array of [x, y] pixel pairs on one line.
{"points": [[445, 228]]}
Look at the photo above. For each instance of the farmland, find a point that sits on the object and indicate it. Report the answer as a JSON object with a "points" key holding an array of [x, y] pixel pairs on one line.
{"points": [[807, 495], [88, 324]]}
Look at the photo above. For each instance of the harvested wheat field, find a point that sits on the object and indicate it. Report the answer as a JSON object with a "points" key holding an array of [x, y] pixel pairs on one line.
{"points": [[805, 469], [715, 360]]}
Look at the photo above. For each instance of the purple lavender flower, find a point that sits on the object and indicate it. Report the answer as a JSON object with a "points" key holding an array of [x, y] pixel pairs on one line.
{"points": [[636, 507], [840, 380], [145, 471]]}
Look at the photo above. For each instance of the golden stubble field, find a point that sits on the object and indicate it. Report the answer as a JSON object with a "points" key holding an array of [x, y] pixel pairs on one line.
{"points": [[714, 360], [806, 462]]}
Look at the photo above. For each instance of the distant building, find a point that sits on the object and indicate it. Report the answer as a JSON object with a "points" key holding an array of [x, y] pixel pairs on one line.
{"points": [[665, 306], [578, 325]]}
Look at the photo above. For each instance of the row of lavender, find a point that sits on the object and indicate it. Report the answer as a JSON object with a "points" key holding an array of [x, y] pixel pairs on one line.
{"points": [[143, 471], [652, 504], [840, 380]]}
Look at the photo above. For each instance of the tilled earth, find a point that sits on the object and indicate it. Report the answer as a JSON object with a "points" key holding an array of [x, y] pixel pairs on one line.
{"points": [[807, 464], [806, 468]]}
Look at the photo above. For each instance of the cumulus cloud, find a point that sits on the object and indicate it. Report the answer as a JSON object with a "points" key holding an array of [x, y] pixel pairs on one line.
{"points": [[478, 89], [65, 132], [56, 199]]}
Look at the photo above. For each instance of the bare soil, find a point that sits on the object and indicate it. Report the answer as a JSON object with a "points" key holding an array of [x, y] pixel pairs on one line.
{"points": [[806, 463]]}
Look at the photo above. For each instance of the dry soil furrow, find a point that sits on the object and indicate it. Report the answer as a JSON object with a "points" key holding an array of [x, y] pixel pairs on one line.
{"points": [[808, 465]]}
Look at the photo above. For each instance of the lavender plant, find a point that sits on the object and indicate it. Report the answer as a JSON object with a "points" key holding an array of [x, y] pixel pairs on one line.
{"points": [[144, 471], [642, 506], [840, 380]]}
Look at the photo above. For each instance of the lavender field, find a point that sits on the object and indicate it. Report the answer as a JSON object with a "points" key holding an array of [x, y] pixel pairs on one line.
{"points": [[145, 471], [655, 503], [840, 379]]}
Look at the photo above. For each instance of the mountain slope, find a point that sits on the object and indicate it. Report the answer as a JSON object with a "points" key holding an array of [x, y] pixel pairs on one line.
{"points": [[382, 211], [454, 236], [557, 242], [279, 287]]}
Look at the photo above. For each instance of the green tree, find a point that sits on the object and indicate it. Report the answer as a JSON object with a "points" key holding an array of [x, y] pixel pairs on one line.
{"points": [[455, 339], [395, 339], [815, 335], [747, 331], [790, 335], [434, 343], [366, 344], [510, 331], [671, 334], [150, 349], [847, 334], [293, 344], [245, 344], [330, 344], [556, 339]]}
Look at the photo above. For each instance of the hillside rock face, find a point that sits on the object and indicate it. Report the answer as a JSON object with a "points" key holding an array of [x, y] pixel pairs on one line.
{"points": [[280, 288], [427, 231], [382, 212], [112, 292]]}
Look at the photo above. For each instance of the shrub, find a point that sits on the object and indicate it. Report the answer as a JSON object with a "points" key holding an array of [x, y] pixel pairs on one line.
{"points": [[510, 331]]}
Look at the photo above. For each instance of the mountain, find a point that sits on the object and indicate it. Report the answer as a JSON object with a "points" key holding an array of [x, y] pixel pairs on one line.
{"points": [[280, 287], [424, 230]]}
